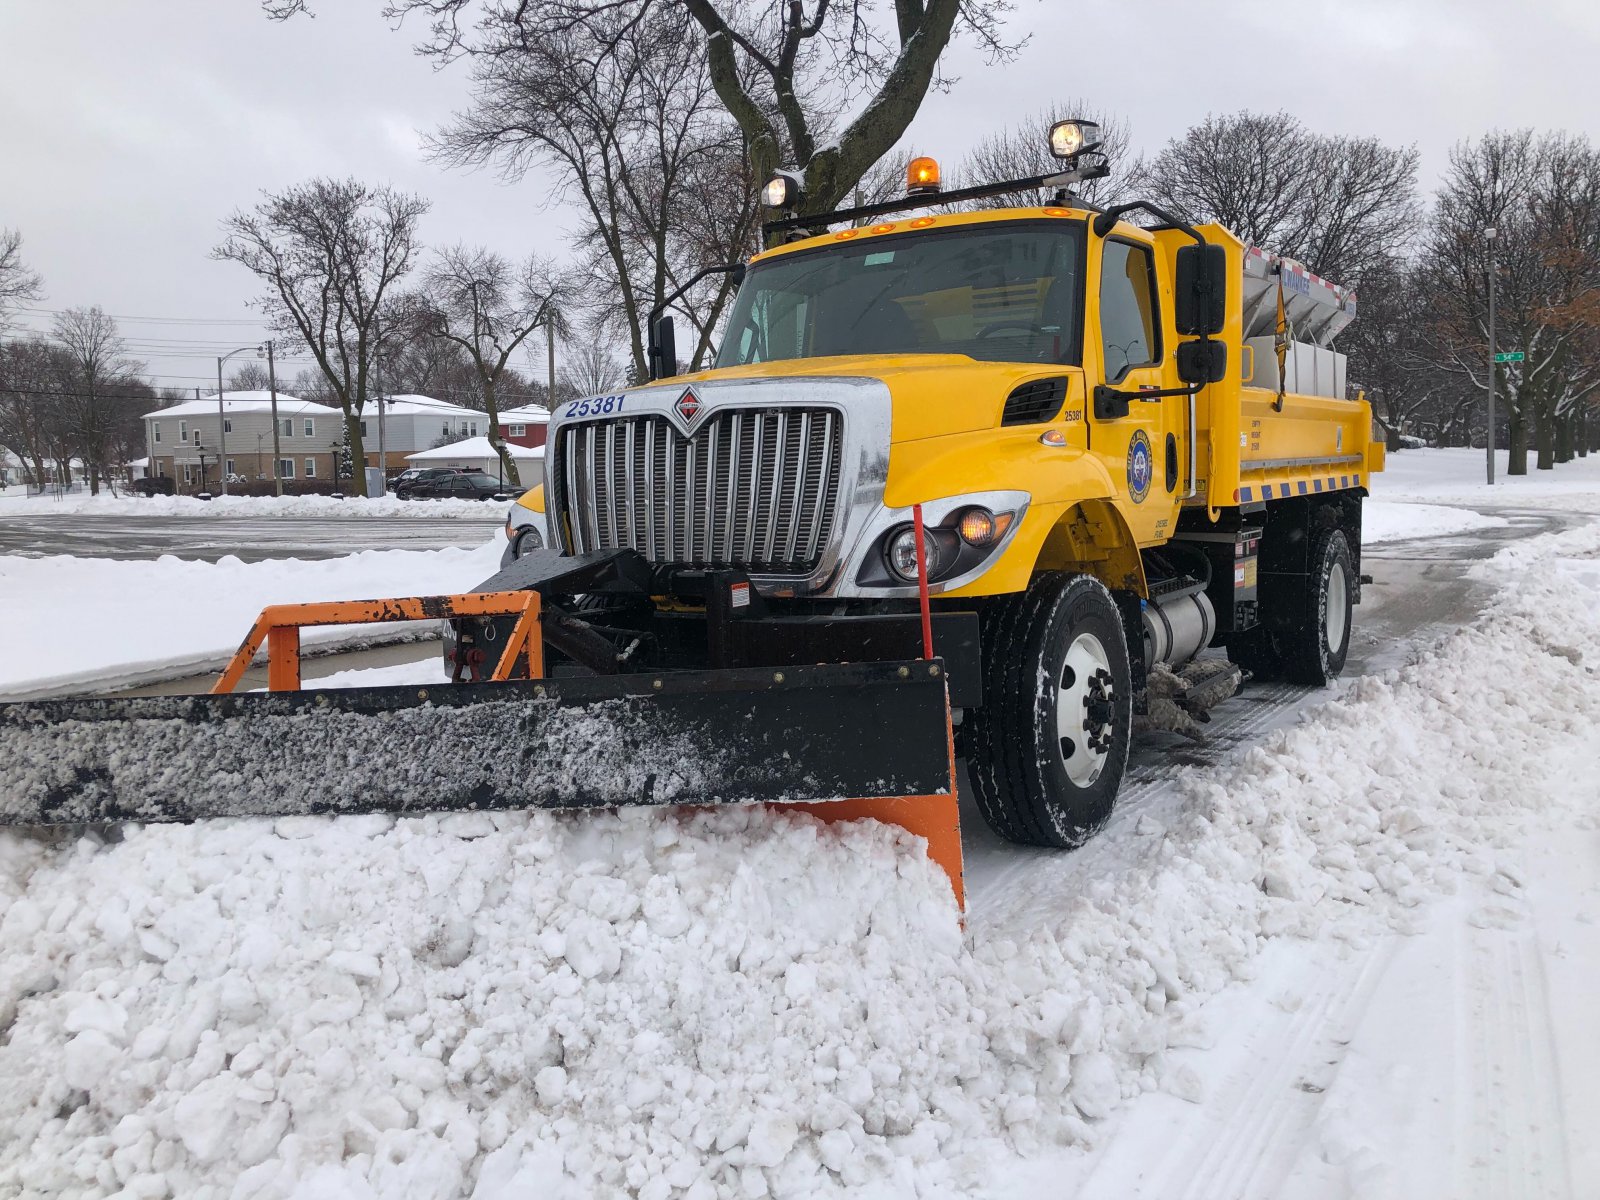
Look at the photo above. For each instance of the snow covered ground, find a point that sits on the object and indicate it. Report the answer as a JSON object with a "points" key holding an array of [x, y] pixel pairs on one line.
{"points": [[1353, 962], [14, 502], [1458, 477], [76, 624]]}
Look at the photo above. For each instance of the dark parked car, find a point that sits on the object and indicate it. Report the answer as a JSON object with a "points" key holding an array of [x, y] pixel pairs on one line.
{"points": [[467, 485], [402, 483], [154, 485]]}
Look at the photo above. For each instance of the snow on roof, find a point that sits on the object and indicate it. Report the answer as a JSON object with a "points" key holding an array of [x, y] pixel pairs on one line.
{"points": [[408, 404], [242, 402], [138, 462], [528, 414], [477, 447]]}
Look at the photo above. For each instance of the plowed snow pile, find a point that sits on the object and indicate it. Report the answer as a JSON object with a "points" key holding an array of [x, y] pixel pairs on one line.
{"points": [[729, 1004]]}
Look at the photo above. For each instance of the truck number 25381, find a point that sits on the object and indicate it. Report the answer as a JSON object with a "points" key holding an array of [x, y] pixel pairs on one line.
{"points": [[594, 406]]}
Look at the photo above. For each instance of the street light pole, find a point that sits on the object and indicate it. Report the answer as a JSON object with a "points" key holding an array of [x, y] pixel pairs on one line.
{"points": [[222, 419], [1488, 441]]}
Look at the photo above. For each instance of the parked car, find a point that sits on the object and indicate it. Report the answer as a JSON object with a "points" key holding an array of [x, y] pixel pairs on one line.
{"points": [[154, 485], [465, 485], [403, 482]]}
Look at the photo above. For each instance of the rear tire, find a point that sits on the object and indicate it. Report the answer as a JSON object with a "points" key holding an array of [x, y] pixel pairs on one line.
{"points": [[1047, 750], [1315, 644]]}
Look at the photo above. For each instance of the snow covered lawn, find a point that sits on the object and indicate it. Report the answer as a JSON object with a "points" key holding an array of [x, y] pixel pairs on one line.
{"points": [[89, 623], [13, 502], [1458, 477], [739, 1003]]}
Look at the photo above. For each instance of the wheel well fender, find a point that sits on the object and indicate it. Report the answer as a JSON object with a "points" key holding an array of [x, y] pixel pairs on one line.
{"points": [[1092, 537]]}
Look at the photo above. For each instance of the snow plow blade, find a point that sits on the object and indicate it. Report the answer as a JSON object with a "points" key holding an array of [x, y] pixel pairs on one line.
{"points": [[858, 730], [841, 741]]}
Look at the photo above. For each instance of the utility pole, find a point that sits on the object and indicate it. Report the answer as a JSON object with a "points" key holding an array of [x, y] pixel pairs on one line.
{"points": [[1488, 441], [277, 453], [222, 432], [550, 346]]}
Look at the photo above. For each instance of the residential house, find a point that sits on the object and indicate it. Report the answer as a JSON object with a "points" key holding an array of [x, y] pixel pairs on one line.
{"points": [[412, 423], [185, 443], [479, 455], [525, 426]]}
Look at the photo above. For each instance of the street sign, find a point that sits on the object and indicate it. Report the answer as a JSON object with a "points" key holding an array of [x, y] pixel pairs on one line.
{"points": [[1510, 356]]}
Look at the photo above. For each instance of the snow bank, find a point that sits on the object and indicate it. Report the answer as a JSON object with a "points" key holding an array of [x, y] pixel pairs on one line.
{"points": [[89, 622], [251, 507], [1393, 521], [734, 1003]]}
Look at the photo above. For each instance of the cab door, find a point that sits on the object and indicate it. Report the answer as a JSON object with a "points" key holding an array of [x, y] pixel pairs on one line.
{"points": [[1139, 448]]}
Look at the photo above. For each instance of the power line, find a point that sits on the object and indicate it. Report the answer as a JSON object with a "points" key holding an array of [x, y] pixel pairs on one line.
{"points": [[57, 312]]}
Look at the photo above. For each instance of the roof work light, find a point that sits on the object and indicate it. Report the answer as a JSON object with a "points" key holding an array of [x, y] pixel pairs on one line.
{"points": [[1068, 139], [783, 190], [922, 177]]}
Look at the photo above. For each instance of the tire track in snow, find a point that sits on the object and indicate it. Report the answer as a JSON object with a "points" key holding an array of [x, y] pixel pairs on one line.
{"points": [[1265, 1112], [1514, 1145]]}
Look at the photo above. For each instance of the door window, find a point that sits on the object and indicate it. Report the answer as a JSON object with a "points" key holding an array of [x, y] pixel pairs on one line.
{"points": [[1130, 335]]}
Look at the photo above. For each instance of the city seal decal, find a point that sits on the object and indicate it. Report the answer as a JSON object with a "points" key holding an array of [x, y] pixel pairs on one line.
{"points": [[1140, 466]]}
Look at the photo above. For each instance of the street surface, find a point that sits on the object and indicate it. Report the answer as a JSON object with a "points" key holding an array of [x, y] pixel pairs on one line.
{"points": [[210, 538]]}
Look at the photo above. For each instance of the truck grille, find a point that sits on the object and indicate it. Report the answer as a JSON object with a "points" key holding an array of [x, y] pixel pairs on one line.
{"points": [[756, 489]]}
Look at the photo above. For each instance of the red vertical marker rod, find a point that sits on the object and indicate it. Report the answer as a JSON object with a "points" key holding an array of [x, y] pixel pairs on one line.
{"points": [[922, 583]]}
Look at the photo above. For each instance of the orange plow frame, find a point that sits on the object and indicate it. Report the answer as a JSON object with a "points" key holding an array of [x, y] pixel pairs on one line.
{"points": [[935, 818]]}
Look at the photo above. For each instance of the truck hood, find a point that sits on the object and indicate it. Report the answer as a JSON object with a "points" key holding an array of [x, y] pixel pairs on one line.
{"points": [[933, 395]]}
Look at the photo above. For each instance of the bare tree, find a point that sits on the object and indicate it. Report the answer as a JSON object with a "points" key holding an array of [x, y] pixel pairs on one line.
{"points": [[18, 285], [38, 382], [1391, 352], [621, 106], [780, 70], [1023, 151], [1338, 204], [1542, 195], [332, 253], [481, 303], [99, 355], [249, 377], [591, 368]]}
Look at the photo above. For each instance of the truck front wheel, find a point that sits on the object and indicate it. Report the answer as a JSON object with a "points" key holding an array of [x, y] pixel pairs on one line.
{"points": [[1047, 750]]}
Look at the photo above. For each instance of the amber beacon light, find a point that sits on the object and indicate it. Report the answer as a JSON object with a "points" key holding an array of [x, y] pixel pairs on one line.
{"points": [[922, 176]]}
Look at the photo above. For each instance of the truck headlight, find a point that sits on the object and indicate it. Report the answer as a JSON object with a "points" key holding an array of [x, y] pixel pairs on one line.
{"points": [[900, 553]]}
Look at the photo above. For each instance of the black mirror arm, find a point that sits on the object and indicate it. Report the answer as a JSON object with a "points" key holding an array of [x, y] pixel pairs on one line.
{"points": [[1102, 391], [724, 269], [1106, 221]]}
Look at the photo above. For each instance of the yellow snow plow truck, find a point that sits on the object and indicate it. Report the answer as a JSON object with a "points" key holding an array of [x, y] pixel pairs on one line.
{"points": [[960, 482]]}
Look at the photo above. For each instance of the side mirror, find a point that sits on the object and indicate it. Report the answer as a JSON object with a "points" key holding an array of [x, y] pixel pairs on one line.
{"points": [[737, 273], [663, 353], [1202, 362], [1199, 306]]}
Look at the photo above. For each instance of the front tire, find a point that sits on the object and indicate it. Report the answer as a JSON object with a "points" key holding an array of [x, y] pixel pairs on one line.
{"points": [[1047, 751]]}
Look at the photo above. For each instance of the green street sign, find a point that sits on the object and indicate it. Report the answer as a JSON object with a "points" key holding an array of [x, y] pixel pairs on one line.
{"points": [[1510, 356]]}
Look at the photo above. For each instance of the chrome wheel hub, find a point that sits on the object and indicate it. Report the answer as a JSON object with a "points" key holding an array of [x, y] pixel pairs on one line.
{"points": [[1085, 709]]}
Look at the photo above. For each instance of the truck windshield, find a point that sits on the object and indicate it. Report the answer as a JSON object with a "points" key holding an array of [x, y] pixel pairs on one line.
{"points": [[1007, 293]]}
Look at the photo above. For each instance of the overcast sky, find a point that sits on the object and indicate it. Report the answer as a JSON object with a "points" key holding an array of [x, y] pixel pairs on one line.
{"points": [[129, 130]]}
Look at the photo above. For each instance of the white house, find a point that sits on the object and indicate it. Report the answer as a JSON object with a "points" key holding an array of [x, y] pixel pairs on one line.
{"points": [[479, 455], [183, 441], [413, 422]]}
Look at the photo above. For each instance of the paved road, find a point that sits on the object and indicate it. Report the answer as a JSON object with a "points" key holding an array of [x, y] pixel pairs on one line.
{"points": [[251, 539]]}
